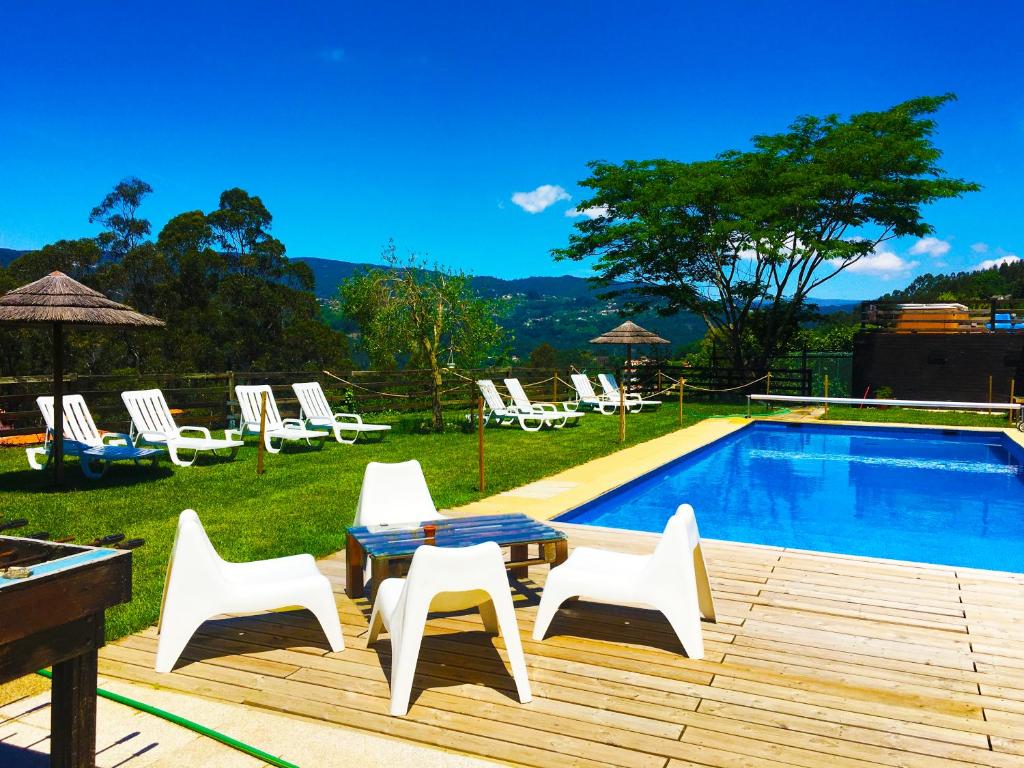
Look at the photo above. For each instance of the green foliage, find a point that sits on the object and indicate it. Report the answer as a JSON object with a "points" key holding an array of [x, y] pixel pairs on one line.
{"points": [[972, 288], [543, 356], [916, 416], [229, 296], [408, 313], [743, 239]]}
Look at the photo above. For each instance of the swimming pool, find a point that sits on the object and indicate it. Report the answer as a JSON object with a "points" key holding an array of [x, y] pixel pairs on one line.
{"points": [[931, 495]]}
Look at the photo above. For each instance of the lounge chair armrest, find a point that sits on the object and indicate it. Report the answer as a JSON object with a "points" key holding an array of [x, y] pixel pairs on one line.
{"points": [[151, 437], [117, 438], [354, 416], [201, 430], [546, 407], [294, 423]]}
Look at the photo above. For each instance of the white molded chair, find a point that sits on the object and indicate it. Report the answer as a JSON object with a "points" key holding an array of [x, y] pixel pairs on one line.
{"points": [[95, 452], [673, 580], [152, 423], [522, 403], [500, 413], [315, 411], [200, 585], [394, 493], [634, 402], [445, 579], [276, 428], [586, 396]]}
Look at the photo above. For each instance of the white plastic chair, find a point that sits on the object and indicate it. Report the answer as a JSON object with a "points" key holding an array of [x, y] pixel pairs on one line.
{"points": [[586, 395], [95, 452], [634, 402], [394, 493], [522, 403], [500, 413], [200, 585], [445, 579], [276, 428], [315, 411], [152, 423], [673, 580]]}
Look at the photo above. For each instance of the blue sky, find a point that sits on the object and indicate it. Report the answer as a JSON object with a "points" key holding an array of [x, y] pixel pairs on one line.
{"points": [[356, 122]]}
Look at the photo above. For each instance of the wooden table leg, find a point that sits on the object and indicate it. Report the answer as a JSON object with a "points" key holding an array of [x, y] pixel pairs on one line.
{"points": [[73, 712], [519, 552], [561, 552], [355, 560], [379, 568]]}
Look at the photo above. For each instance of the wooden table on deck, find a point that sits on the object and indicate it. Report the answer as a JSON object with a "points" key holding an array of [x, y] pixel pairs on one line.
{"points": [[388, 546]]}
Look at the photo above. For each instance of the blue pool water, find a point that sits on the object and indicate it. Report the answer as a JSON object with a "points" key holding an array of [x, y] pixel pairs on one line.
{"points": [[930, 495]]}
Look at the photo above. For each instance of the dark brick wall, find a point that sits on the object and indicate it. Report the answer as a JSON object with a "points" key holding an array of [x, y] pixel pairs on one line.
{"points": [[938, 366]]}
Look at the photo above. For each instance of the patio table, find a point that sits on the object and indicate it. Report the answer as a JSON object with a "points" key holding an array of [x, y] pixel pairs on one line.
{"points": [[390, 546]]}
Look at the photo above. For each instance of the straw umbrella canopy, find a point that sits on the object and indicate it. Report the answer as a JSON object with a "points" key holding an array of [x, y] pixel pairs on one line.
{"points": [[59, 301], [629, 333]]}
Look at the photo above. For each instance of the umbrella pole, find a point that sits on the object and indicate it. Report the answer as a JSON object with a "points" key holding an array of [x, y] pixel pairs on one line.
{"points": [[57, 442]]}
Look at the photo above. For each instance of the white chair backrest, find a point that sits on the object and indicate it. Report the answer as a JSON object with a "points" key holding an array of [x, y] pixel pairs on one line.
{"points": [[438, 570], [394, 493], [515, 389], [491, 396], [581, 383], [312, 400], [78, 423], [249, 399], [608, 384], [194, 564], [672, 561], [150, 412]]}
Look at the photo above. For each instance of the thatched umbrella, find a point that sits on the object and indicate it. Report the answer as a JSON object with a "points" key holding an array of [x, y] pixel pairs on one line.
{"points": [[629, 333], [58, 301]]}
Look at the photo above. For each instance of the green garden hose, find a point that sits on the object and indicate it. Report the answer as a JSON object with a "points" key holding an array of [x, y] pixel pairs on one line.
{"points": [[191, 725]]}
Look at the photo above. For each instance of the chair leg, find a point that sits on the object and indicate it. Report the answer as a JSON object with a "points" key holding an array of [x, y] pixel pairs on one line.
{"points": [[704, 597], [686, 624], [550, 601], [506, 615], [405, 652], [177, 460], [489, 617], [326, 612], [176, 631], [269, 444], [376, 624], [33, 457]]}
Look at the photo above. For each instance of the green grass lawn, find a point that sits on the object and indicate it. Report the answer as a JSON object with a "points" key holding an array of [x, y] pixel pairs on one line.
{"points": [[306, 498], [917, 416]]}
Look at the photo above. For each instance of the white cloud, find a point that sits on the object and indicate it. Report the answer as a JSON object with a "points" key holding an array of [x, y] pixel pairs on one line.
{"points": [[884, 264], [980, 247], [332, 55], [930, 246], [542, 197], [1009, 258], [593, 212]]}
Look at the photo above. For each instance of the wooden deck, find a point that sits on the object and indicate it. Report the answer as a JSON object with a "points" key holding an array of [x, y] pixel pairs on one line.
{"points": [[816, 659]]}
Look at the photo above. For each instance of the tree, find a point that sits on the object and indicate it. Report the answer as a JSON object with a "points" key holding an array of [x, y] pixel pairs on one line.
{"points": [[406, 311], [543, 356], [117, 212], [742, 240]]}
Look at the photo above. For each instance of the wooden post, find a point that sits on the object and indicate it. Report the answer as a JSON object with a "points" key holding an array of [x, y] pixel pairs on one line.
{"points": [[263, 431], [1009, 413], [622, 406], [826, 393], [682, 383], [554, 387], [57, 438], [73, 711], [231, 396], [480, 439], [768, 383], [990, 392], [659, 380]]}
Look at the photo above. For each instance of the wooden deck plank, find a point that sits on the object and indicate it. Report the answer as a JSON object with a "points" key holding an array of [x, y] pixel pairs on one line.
{"points": [[816, 659]]}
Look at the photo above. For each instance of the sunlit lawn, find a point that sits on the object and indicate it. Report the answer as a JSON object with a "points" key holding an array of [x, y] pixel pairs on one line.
{"points": [[306, 498], [918, 416]]}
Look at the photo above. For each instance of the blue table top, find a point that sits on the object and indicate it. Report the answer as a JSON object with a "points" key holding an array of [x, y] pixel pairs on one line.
{"points": [[402, 539]]}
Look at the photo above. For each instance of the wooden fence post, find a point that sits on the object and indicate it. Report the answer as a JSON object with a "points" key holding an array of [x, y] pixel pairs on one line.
{"points": [[480, 439], [231, 397], [990, 392], [554, 386], [1009, 412], [622, 406], [263, 431], [826, 394], [682, 383]]}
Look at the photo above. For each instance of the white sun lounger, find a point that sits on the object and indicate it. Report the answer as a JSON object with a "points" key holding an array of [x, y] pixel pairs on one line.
{"points": [[276, 428], [445, 579], [95, 452], [634, 402], [316, 412], [500, 413], [153, 424], [673, 580], [587, 397], [200, 585], [522, 403]]}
